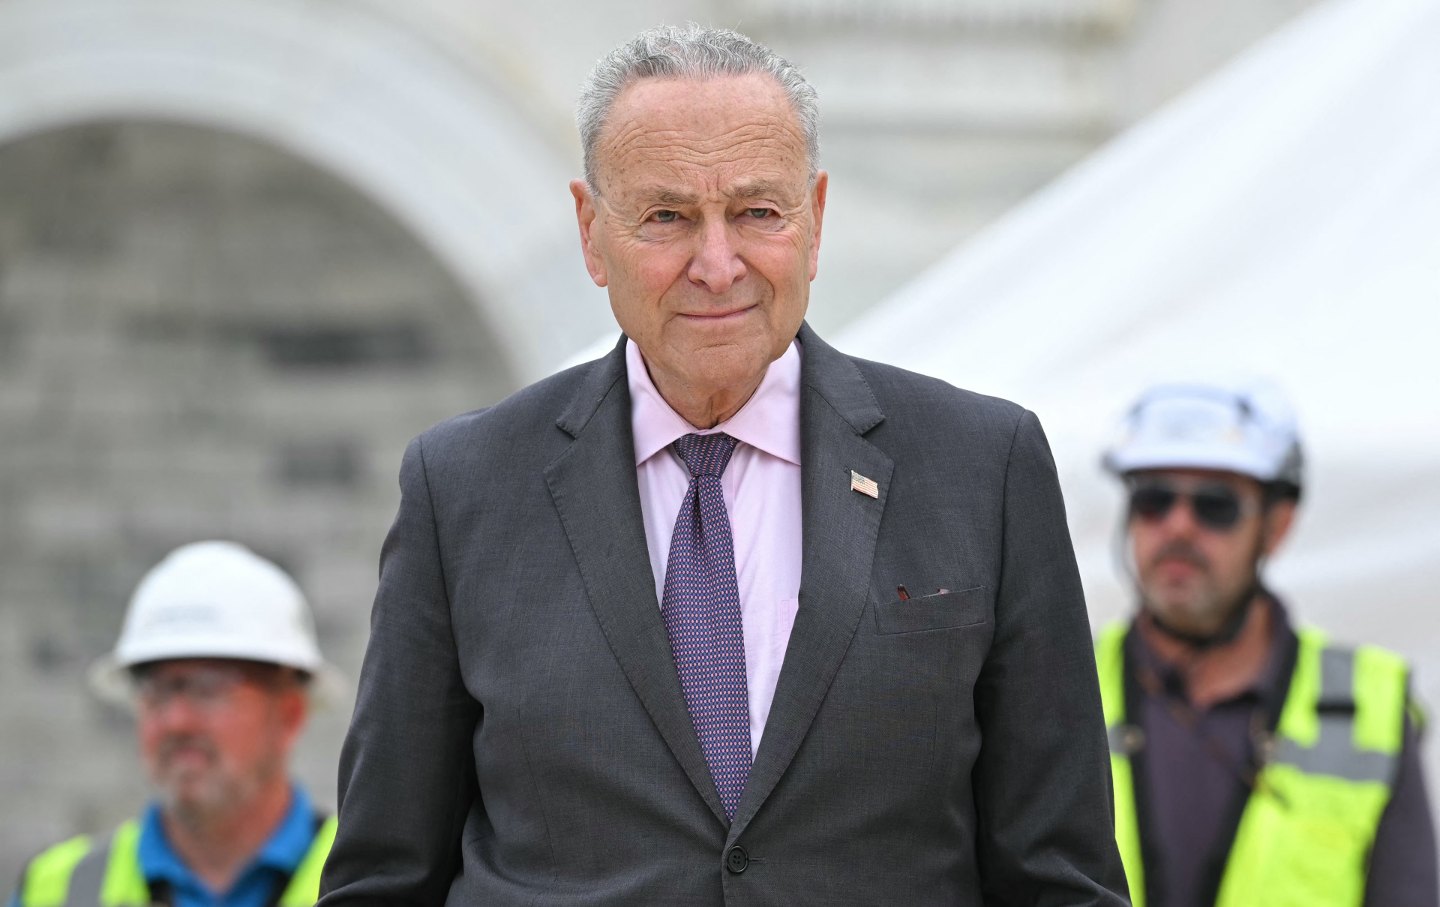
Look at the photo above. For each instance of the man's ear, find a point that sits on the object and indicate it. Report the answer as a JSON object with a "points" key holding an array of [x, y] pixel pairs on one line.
{"points": [[1279, 517], [585, 214], [293, 706], [817, 203]]}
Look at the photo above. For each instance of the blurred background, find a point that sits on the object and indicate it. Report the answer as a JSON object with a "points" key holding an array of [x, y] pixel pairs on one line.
{"points": [[248, 248]]}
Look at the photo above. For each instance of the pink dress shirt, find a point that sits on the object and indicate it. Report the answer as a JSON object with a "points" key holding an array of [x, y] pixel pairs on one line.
{"points": [[762, 499]]}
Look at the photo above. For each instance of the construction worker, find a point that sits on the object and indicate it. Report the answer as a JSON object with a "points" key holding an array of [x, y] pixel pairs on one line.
{"points": [[1254, 764], [218, 658]]}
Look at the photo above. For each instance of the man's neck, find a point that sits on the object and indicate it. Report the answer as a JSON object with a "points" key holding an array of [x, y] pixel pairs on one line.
{"points": [[1216, 673], [218, 847], [701, 405], [705, 410]]}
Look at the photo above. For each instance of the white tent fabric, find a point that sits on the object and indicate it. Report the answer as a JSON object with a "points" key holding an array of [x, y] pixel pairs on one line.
{"points": [[1281, 220]]}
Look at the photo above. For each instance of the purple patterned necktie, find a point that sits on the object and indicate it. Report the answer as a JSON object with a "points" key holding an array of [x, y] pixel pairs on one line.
{"points": [[701, 608]]}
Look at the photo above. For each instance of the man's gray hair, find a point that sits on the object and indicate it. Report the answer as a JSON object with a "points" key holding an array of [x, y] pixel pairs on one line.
{"points": [[691, 52]]}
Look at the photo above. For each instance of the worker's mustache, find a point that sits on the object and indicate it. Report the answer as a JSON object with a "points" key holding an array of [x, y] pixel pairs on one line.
{"points": [[1181, 550], [171, 745]]}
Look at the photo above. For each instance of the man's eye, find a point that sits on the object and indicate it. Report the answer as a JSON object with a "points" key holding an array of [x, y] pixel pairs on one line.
{"points": [[759, 213], [665, 217]]}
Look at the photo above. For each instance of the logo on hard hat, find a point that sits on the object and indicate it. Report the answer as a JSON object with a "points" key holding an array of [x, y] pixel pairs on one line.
{"points": [[181, 617]]}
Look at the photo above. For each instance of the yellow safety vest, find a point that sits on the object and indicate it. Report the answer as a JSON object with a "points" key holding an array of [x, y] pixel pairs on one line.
{"points": [[1306, 832], [74, 873]]}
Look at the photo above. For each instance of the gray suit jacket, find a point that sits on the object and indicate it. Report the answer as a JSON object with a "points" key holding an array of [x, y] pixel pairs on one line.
{"points": [[520, 736]]}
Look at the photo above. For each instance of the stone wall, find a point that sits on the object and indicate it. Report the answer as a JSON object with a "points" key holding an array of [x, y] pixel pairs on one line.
{"points": [[199, 337]]}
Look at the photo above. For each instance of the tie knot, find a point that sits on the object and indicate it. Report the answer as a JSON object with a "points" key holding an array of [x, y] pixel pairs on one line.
{"points": [[705, 455]]}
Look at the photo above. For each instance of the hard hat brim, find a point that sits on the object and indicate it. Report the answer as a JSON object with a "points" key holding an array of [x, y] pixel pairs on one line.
{"points": [[109, 680], [1178, 456]]}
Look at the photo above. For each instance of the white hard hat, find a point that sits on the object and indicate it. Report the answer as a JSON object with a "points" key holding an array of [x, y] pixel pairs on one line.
{"points": [[215, 600], [1246, 430]]}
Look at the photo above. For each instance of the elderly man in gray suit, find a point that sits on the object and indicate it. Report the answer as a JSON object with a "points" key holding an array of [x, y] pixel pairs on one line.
{"points": [[725, 616]]}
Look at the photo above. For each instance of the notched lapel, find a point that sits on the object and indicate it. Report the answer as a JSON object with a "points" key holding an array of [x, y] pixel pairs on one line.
{"points": [[840, 527], [594, 489]]}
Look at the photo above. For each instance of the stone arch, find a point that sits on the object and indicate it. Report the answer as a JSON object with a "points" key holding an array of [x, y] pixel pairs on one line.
{"points": [[201, 336], [434, 139]]}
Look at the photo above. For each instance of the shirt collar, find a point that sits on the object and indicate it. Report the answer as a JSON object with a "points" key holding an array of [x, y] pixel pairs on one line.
{"points": [[1275, 673], [282, 851], [291, 841], [769, 420], [157, 859]]}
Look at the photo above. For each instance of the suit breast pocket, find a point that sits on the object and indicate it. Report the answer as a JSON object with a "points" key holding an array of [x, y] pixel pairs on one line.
{"points": [[938, 611]]}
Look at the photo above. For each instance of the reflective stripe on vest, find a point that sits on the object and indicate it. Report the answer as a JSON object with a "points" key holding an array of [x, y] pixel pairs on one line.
{"points": [[47, 879], [1110, 663], [73, 874], [1307, 829], [304, 887]]}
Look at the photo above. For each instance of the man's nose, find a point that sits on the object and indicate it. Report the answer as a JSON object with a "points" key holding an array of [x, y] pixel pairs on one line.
{"points": [[717, 263], [1180, 518], [175, 712]]}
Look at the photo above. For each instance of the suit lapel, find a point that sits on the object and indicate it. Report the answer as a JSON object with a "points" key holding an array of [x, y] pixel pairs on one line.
{"points": [[840, 528], [595, 492]]}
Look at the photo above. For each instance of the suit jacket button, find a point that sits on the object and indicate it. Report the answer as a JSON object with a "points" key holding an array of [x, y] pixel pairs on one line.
{"points": [[737, 859]]}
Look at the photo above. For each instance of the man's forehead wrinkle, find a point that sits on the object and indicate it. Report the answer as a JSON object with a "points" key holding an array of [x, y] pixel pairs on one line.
{"points": [[636, 105], [678, 173], [745, 140], [645, 135]]}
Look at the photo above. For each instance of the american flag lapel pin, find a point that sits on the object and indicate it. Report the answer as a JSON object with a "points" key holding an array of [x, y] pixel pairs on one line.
{"points": [[863, 485]]}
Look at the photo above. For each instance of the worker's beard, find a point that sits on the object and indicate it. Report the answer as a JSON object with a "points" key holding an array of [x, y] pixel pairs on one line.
{"points": [[195, 784], [1211, 608]]}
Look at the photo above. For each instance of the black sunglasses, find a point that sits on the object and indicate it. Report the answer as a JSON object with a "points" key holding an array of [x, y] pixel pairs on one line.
{"points": [[1215, 506]]}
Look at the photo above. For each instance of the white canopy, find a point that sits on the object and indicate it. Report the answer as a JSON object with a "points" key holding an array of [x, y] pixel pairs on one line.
{"points": [[1281, 220]]}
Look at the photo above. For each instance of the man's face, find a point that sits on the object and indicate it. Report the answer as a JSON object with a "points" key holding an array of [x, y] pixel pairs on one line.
{"points": [[215, 732], [705, 228], [1192, 573]]}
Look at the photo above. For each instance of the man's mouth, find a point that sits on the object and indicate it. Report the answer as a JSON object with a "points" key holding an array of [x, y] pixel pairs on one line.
{"points": [[1180, 555], [717, 315], [186, 753]]}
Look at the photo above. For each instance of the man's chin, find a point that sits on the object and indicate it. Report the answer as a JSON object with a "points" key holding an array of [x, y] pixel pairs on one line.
{"points": [[189, 793], [1184, 616]]}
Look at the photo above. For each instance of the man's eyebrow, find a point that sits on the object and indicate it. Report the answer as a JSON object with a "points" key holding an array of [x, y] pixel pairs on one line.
{"points": [[758, 189], [761, 188], [670, 197]]}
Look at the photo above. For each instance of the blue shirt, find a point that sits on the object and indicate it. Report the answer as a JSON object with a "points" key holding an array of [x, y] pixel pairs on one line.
{"points": [[258, 883]]}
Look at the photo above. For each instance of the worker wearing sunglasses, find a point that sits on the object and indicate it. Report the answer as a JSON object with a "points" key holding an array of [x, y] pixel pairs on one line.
{"points": [[1248, 761]]}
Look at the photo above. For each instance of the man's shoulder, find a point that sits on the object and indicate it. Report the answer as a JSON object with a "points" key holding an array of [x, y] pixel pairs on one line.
{"points": [[45, 878], [530, 416], [48, 872], [901, 383], [1321, 639], [909, 398]]}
